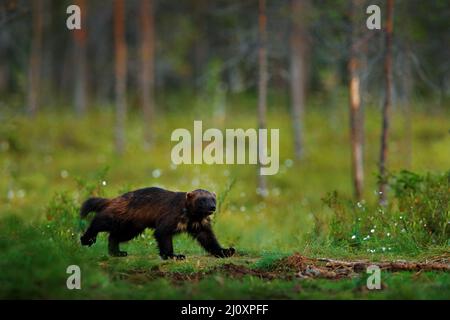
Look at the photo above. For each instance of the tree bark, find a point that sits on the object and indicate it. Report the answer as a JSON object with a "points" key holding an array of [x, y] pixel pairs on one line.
{"points": [[120, 73], [298, 72], [356, 126], [147, 53], [262, 84], [80, 37], [35, 58], [387, 103]]}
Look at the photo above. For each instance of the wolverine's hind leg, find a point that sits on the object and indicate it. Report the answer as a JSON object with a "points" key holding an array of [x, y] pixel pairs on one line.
{"points": [[165, 245], [113, 247]]}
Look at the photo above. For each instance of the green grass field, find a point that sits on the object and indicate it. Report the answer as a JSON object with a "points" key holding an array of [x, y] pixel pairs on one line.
{"points": [[50, 164]]}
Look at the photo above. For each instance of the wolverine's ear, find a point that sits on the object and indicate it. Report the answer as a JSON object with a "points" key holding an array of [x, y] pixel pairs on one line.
{"points": [[189, 195], [214, 194]]}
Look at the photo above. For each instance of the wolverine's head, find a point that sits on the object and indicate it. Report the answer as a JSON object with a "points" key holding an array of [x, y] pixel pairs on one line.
{"points": [[201, 202]]}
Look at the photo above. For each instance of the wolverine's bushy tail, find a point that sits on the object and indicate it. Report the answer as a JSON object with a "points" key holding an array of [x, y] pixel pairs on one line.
{"points": [[93, 205]]}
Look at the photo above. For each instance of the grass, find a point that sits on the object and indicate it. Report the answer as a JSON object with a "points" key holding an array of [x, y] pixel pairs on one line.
{"points": [[51, 163]]}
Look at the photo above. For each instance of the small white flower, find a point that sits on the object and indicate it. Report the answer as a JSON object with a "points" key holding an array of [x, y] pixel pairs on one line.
{"points": [[372, 231], [156, 173], [103, 183], [64, 174], [262, 192], [288, 163], [353, 237]]}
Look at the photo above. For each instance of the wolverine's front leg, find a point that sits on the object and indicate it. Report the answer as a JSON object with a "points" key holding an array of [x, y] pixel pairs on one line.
{"points": [[205, 236], [165, 245]]}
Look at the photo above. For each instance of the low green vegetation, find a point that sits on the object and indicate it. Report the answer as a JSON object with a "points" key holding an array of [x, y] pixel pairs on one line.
{"points": [[50, 164]]}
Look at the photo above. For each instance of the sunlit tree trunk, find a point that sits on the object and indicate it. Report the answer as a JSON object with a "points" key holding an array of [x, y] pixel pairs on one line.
{"points": [[147, 54], [80, 36], [355, 106], [35, 57], [387, 103], [120, 73], [298, 71], [262, 83]]}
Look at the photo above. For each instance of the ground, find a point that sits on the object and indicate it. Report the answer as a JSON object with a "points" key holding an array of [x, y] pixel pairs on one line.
{"points": [[50, 164]]}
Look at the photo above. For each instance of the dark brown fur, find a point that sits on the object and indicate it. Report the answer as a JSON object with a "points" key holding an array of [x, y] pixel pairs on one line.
{"points": [[167, 212]]}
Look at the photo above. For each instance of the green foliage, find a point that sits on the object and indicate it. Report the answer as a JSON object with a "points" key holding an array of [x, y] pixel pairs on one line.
{"points": [[418, 216], [268, 261], [9, 138], [43, 186], [63, 220], [424, 201], [94, 187], [221, 203]]}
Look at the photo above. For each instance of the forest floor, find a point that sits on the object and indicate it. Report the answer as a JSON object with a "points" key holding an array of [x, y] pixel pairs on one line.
{"points": [[290, 245]]}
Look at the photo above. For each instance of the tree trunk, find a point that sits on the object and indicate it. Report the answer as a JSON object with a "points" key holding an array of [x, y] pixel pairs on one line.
{"points": [[262, 84], [356, 126], [35, 57], [80, 61], [387, 103], [120, 73], [298, 72], [147, 51]]}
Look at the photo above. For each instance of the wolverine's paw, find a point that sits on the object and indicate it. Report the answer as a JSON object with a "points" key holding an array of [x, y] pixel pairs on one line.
{"points": [[119, 254], [87, 241], [225, 253]]}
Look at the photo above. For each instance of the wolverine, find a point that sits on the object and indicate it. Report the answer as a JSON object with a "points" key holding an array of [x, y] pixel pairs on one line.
{"points": [[166, 212]]}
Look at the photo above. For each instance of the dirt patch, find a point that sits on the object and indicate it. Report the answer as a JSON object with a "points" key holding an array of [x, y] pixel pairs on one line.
{"points": [[238, 271], [294, 266], [335, 269]]}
